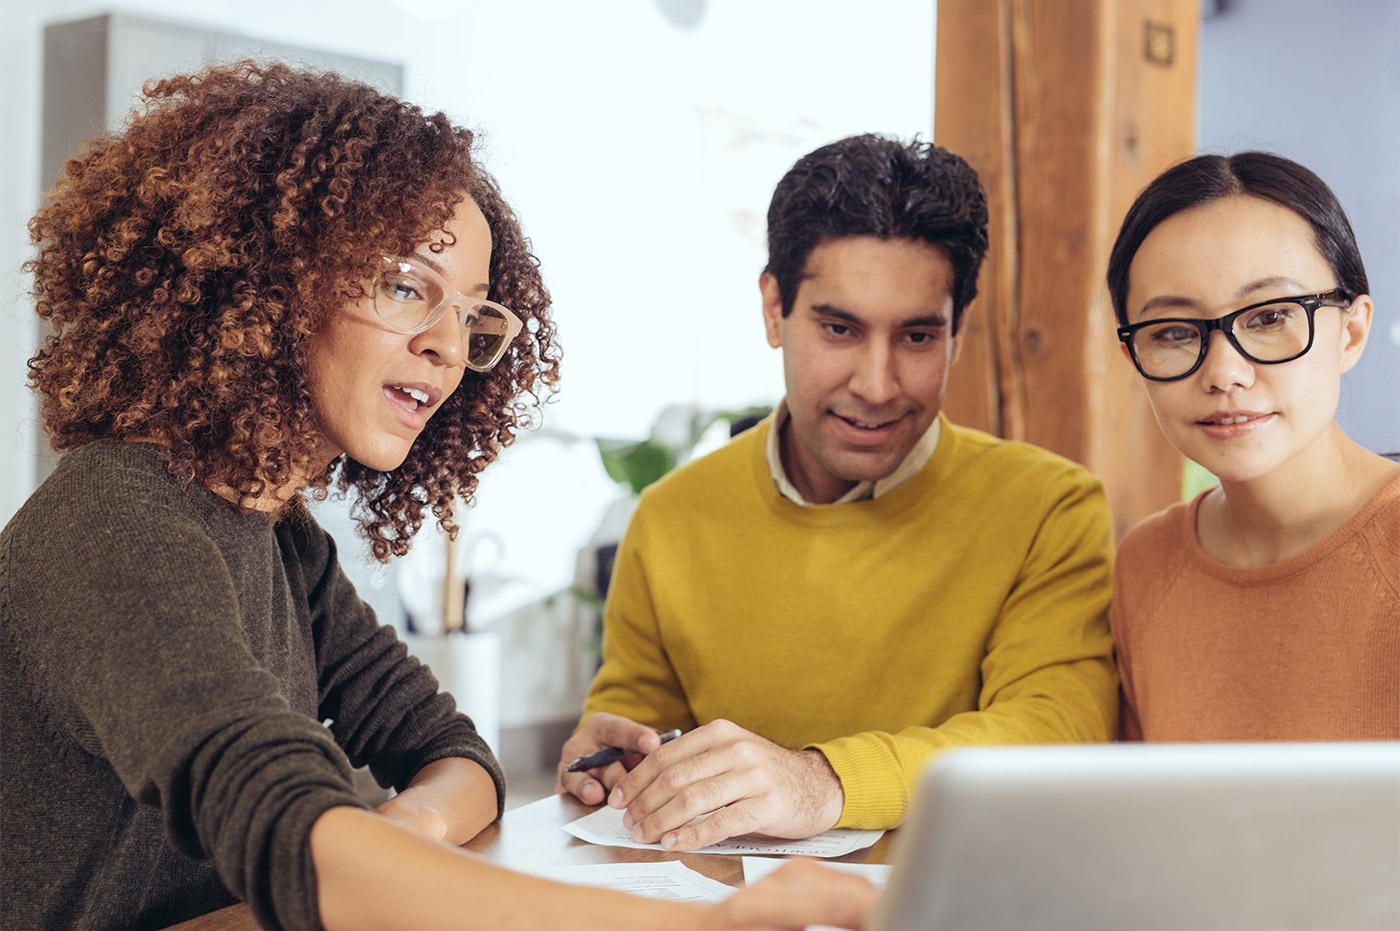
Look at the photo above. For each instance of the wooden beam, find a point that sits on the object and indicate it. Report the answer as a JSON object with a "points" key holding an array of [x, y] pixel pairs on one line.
{"points": [[1066, 108], [972, 66]]}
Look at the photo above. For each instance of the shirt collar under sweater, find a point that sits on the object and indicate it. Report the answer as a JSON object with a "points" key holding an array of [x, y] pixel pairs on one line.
{"points": [[918, 457]]}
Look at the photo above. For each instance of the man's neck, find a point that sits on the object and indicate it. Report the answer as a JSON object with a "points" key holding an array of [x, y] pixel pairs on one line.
{"points": [[824, 489]]}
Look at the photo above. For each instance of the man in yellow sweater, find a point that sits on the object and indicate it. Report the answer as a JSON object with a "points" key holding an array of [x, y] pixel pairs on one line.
{"points": [[856, 583]]}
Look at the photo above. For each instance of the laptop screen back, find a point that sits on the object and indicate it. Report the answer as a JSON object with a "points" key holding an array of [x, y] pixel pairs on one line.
{"points": [[1148, 836]]}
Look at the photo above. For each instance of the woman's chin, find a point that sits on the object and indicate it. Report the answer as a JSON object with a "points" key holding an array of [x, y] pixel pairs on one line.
{"points": [[381, 459]]}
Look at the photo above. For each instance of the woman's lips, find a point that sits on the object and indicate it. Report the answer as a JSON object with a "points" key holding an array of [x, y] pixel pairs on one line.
{"points": [[410, 410], [1231, 424]]}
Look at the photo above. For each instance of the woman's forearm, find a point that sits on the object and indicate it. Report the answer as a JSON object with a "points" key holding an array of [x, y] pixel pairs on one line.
{"points": [[450, 799], [372, 873]]}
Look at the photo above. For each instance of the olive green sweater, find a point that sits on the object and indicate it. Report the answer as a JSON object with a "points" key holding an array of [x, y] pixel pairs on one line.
{"points": [[167, 665]]}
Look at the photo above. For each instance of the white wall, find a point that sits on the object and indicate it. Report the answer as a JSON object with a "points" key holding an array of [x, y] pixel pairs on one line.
{"points": [[639, 155]]}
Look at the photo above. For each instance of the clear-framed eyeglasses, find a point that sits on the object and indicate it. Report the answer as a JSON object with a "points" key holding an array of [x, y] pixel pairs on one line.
{"points": [[1267, 333], [409, 297]]}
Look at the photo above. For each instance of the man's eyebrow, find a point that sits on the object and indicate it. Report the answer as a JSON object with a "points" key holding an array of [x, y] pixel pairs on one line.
{"points": [[924, 320], [436, 266]]}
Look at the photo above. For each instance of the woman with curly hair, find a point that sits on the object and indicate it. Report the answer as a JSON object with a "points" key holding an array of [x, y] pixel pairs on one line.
{"points": [[268, 281]]}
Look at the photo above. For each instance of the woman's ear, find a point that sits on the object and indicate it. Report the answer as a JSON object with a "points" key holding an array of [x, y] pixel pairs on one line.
{"points": [[1356, 326]]}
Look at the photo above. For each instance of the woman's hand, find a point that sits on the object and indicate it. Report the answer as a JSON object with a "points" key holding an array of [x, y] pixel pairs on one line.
{"points": [[797, 894]]}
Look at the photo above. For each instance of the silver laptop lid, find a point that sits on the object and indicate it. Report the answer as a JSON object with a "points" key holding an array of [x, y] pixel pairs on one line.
{"points": [[1245, 837]]}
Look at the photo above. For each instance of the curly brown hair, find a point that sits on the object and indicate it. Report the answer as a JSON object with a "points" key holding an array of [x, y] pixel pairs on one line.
{"points": [[184, 262]]}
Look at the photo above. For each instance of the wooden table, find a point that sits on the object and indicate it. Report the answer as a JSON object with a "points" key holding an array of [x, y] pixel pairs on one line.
{"points": [[533, 834]]}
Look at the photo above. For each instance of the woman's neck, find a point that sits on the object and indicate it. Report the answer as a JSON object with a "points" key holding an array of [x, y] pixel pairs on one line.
{"points": [[1274, 517]]}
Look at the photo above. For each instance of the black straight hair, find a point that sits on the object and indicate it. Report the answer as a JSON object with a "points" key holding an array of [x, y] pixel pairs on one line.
{"points": [[1270, 177]]}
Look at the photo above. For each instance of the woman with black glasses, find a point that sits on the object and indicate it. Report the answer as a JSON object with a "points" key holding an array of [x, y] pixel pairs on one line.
{"points": [[1267, 608]]}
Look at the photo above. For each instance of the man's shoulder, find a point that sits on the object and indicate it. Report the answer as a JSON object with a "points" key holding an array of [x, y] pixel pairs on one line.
{"points": [[718, 473], [991, 458]]}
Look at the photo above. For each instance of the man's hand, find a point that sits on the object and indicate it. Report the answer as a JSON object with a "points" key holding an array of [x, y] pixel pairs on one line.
{"points": [[600, 731], [752, 785]]}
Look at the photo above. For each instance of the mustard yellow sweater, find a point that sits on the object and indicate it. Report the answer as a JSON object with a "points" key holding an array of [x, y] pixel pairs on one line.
{"points": [[967, 606]]}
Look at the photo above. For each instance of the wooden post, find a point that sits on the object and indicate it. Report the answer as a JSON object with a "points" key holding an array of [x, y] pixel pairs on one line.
{"points": [[1066, 108]]}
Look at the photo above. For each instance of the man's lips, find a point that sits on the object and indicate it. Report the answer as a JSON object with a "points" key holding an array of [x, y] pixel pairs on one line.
{"points": [[866, 431]]}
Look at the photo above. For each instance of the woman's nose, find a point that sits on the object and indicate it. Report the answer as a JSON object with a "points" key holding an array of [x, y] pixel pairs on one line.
{"points": [[1224, 367]]}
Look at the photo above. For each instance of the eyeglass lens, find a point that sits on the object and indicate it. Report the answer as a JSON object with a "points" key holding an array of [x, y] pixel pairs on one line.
{"points": [[487, 333], [409, 301], [1272, 333]]}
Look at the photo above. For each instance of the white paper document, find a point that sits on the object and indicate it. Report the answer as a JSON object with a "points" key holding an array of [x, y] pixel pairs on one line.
{"points": [[670, 879], [604, 826], [755, 868]]}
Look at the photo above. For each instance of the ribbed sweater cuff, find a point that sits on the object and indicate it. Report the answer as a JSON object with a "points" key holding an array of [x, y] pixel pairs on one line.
{"points": [[876, 787]]}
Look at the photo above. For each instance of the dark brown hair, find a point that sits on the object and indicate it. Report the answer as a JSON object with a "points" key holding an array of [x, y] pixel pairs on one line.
{"points": [[184, 262], [873, 186]]}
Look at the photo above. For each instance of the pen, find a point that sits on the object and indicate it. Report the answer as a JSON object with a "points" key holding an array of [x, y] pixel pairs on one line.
{"points": [[611, 754]]}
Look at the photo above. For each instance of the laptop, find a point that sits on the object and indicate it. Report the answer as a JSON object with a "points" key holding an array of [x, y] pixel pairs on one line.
{"points": [[1188, 837]]}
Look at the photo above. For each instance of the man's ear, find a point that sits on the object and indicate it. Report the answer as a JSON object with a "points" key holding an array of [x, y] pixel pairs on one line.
{"points": [[772, 309], [1356, 327]]}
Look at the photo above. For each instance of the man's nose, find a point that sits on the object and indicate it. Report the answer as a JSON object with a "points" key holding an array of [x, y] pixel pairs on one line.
{"points": [[875, 380]]}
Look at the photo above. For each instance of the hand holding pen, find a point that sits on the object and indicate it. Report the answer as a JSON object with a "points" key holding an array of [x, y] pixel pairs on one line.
{"points": [[612, 754], [589, 777]]}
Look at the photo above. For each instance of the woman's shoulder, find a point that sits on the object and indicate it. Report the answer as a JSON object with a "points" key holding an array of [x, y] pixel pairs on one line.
{"points": [[112, 473], [95, 483], [1379, 520], [111, 500], [1168, 531]]}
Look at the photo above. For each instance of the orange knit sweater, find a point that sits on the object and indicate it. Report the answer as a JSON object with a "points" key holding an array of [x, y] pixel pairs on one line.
{"points": [[1304, 649]]}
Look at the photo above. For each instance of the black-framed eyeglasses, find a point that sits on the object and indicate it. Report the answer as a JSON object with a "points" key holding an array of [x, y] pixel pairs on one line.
{"points": [[1268, 333]]}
